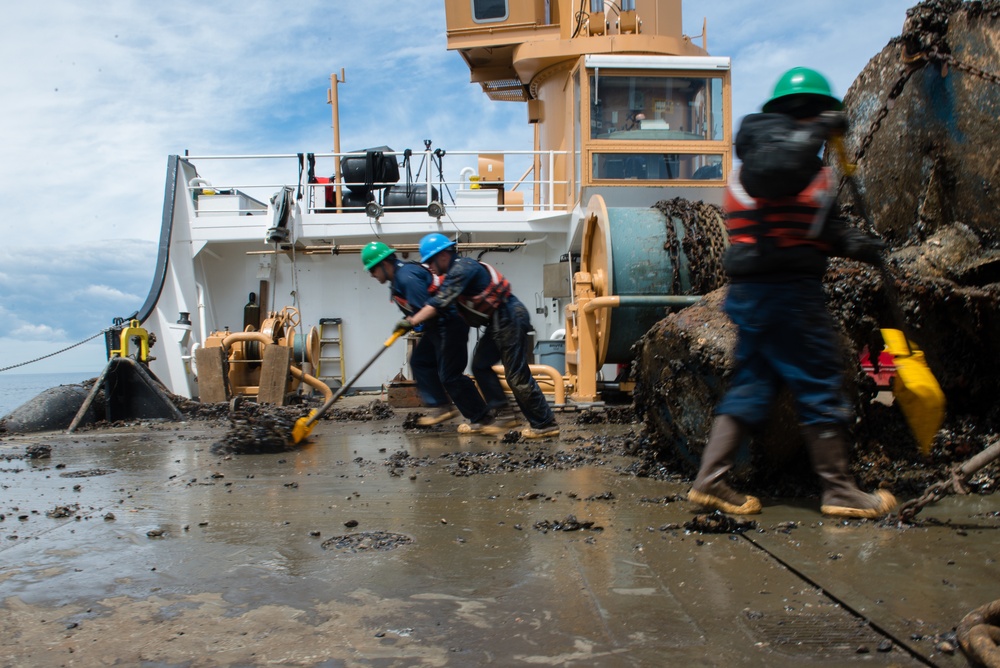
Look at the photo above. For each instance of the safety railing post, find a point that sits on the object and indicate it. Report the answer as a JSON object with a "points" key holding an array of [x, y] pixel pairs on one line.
{"points": [[430, 179], [552, 180]]}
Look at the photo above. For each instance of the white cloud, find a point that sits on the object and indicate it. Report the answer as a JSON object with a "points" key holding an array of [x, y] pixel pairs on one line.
{"points": [[107, 292], [38, 332], [836, 37], [90, 117]]}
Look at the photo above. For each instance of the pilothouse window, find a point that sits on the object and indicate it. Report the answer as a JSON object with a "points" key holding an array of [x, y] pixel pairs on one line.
{"points": [[656, 108], [489, 10]]}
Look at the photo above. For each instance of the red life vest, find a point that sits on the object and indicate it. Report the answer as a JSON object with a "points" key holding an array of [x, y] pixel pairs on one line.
{"points": [[436, 282], [789, 221], [477, 310]]}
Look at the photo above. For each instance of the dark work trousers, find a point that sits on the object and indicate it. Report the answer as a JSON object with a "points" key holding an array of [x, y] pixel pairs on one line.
{"points": [[505, 340], [785, 336], [424, 363], [453, 357]]}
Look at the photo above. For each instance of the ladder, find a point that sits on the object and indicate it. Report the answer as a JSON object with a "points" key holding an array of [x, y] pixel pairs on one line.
{"points": [[331, 352]]}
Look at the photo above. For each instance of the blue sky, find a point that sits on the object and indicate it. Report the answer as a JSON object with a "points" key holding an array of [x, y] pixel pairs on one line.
{"points": [[97, 96]]}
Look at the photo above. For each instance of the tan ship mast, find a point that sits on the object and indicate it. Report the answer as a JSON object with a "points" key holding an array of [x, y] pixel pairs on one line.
{"points": [[558, 55], [633, 113]]}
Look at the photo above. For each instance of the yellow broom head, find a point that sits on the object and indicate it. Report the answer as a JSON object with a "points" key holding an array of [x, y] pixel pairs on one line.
{"points": [[302, 427], [915, 389]]}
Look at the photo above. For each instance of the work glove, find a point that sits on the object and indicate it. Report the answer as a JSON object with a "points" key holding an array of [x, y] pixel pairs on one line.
{"points": [[404, 325], [834, 123], [864, 248]]}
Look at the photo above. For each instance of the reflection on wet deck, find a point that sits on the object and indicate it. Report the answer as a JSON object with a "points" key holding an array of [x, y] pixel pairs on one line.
{"points": [[239, 574]]}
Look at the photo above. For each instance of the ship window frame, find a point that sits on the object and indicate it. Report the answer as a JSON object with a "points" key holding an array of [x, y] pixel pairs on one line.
{"points": [[625, 180], [715, 68], [716, 81], [475, 19], [578, 138]]}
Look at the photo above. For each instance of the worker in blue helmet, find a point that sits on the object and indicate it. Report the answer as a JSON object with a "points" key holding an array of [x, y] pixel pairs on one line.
{"points": [[779, 207], [441, 381], [484, 299]]}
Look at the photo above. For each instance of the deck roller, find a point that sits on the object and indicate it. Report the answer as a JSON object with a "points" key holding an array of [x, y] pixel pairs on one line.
{"points": [[633, 265]]}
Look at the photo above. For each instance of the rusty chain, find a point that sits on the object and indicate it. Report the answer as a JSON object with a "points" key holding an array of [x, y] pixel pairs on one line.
{"points": [[58, 352], [933, 494], [950, 60], [979, 635], [911, 62], [955, 484], [894, 92], [704, 243], [711, 235], [672, 246]]}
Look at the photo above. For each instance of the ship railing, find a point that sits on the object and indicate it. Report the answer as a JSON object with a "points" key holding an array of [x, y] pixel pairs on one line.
{"points": [[453, 179]]}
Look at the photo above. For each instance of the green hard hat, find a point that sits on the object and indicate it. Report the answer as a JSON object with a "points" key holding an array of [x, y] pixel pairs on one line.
{"points": [[374, 253], [806, 85]]}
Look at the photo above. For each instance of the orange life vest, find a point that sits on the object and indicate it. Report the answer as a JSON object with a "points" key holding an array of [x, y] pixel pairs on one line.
{"points": [[788, 221], [436, 282], [478, 309]]}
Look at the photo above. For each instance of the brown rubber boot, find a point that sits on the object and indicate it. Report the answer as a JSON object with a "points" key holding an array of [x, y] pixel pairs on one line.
{"points": [[437, 415], [828, 451], [710, 488], [504, 420]]}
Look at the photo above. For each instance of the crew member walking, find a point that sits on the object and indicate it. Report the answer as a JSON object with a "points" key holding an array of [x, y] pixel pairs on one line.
{"points": [[778, 207]]}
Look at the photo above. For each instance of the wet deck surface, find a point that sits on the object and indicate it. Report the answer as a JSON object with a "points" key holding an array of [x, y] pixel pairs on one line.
{"points": [[212, 561]]}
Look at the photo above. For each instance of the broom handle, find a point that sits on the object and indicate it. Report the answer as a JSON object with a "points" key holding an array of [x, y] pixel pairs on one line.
{"points": [[332, 400], [888, 281]]}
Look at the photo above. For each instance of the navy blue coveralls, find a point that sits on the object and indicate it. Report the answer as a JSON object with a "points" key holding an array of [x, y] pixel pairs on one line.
{"points": [[440, 357], [504, 340]]}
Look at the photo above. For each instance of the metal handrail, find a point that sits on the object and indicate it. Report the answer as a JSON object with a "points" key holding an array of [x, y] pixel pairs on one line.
{"points": [[451, 185]]}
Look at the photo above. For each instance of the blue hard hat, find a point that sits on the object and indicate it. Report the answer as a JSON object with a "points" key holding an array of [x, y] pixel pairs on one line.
{"points": [[433, 244]]}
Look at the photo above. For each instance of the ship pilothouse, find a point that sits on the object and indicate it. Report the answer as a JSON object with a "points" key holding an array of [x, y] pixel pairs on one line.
{"points": [[635, 106]]}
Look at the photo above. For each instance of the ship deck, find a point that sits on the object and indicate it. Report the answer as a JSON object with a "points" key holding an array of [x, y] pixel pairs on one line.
{"points": [[138, 546]]}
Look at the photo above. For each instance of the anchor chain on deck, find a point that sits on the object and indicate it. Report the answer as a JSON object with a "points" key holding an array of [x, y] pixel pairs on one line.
{"points": [[954, 485], [979, 635]]}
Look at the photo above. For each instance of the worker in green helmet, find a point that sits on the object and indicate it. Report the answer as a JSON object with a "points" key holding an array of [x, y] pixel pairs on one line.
{"points": [[778, 214], [484, 299], [441, 381]]}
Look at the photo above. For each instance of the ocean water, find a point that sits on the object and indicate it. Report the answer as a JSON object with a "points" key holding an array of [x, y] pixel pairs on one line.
{"points": [[19, 388]]}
